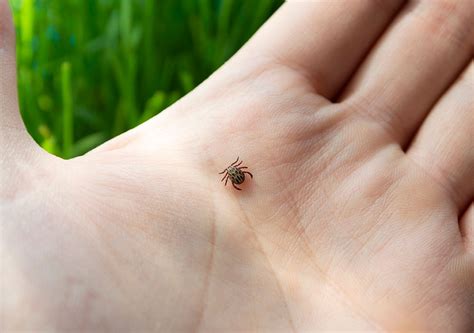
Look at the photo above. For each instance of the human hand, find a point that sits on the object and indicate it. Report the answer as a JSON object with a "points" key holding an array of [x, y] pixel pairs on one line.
{"points": [[359, 216]]}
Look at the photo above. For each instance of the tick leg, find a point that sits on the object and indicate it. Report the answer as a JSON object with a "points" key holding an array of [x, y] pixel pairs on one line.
{"points": [[236, 187], [251, 176], [220, 173], [224, 177], [238, 164], [226, 181], [243, 168], [235, 161]]}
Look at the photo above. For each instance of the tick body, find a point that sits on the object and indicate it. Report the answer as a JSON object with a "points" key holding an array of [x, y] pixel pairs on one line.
{"points": [[235, 173]]}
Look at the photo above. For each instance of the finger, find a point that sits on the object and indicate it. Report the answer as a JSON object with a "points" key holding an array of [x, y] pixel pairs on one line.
{"points": [[444, 144], [467, 229], [324, 40], [9, 113], [15, 142], [413, 64]]}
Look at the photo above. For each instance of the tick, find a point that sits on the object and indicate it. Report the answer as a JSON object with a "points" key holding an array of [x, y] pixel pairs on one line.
{"points": [[235, 174]]}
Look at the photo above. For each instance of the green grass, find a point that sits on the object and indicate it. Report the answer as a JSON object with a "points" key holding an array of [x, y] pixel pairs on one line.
{"points": [[91, 69]]}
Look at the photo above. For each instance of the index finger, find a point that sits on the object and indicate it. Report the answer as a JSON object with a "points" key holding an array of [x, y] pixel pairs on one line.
{"points": [[325, 40]]}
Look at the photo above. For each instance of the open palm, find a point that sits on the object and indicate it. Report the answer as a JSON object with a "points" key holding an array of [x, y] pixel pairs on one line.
{"points": [[356, 120]]}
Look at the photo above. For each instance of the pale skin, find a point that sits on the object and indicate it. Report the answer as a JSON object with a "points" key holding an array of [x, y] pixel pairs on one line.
{"points": [[356, 119]]}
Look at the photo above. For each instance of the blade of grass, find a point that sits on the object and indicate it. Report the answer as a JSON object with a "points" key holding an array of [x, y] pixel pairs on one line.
{"points": [[68, 116]]}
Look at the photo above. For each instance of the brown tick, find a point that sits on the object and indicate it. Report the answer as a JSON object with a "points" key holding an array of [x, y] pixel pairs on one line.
{"points": [[235, 173]]}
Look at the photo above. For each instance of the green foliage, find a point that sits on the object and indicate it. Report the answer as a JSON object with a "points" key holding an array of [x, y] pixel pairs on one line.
{"points": [[91, 69]]}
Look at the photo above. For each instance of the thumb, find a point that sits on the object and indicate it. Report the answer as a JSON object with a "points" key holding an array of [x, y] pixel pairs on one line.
{"points": [[13, 135]]}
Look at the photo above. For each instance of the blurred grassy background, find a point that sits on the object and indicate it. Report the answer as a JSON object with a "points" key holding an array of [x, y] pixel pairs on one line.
{"points": [[91, 69]]}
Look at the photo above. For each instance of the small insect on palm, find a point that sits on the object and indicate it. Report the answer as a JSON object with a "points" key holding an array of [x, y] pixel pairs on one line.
{"points": [[235, 174]]}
